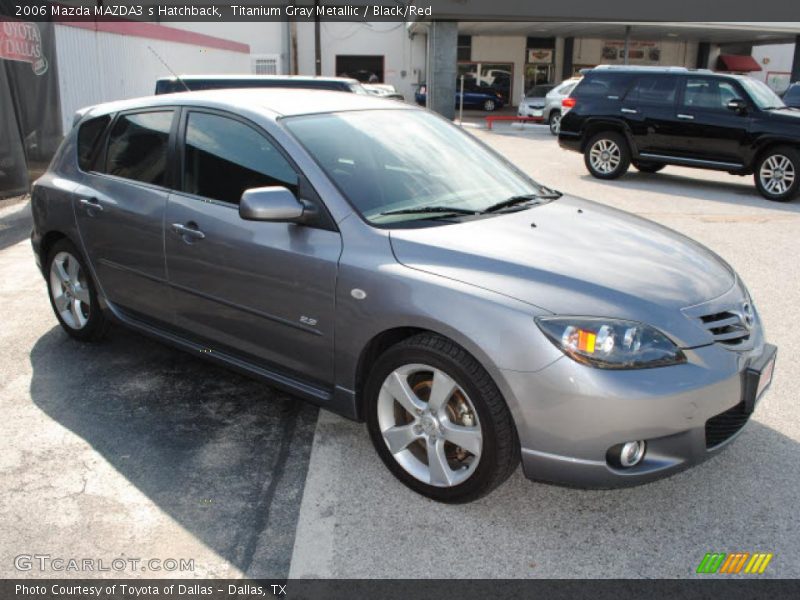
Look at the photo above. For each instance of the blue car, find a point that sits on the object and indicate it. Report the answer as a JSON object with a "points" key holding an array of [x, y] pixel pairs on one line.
{"points": [[475, 96]]}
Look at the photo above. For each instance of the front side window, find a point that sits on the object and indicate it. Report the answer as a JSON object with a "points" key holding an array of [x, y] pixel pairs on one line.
{"points": [[88, 140], [137, 146], [401, 160], [224, 157], [653, 91], [709, 93]]}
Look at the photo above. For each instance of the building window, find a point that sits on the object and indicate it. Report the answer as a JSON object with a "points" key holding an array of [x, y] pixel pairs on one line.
{"points": [[265, 64], [464, 47], [367, 69]]}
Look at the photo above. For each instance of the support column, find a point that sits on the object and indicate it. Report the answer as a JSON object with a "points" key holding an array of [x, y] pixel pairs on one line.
{"points": [[569, 52], [442, 67], [796, 60], [703, 54]]}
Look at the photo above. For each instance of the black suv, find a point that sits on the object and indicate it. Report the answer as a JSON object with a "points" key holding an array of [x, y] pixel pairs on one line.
{"points": [[655, 116]]}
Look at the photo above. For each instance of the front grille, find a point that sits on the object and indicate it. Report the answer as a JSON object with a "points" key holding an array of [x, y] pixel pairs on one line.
{"points": [[724, 425], [726, 327]]}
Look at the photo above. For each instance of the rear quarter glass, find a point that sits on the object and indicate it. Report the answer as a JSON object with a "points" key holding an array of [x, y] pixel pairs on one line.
{"points": [[607, 85]]}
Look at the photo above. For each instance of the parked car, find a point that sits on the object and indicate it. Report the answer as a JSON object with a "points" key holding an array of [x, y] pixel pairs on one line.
{"points": [[383, 90], [546, 103], [294, 237], [193, 83], [476, 95], [656, 116], [791, 97]]}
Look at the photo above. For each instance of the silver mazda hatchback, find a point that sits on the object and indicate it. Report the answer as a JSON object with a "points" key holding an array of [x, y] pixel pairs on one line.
{"points": [[380, 262]]}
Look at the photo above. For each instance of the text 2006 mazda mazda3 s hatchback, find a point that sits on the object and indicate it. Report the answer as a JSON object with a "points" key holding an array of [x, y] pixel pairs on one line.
{"points": [[373, 258]]}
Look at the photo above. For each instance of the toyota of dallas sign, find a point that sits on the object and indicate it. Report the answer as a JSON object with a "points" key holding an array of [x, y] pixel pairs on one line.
{"points": [[22, 41]]}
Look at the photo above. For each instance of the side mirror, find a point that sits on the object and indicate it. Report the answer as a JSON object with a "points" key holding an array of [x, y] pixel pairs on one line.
{"points": [[737, 105], [276, 204]]}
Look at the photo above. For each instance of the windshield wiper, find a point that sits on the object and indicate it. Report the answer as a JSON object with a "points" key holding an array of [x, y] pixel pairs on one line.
{"points": [[522, 199], [422, 210]]}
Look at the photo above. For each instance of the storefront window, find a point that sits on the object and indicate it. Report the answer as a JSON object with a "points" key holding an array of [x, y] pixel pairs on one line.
{"points": [[487, 76]]}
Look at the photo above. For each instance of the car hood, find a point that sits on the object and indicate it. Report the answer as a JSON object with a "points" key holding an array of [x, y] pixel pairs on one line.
{"points": [[576, 257]]}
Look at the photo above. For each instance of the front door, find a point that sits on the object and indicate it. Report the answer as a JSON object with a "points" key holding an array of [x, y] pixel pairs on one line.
{"points": [[120, 214], [709, 129], [261, 290]]}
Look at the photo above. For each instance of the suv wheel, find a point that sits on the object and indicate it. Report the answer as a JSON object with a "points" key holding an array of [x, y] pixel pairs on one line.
{"points": [[489, 105], [73, 295], [555, 122], [777, 174], [438, 421], [648, 167], [607, 155]]}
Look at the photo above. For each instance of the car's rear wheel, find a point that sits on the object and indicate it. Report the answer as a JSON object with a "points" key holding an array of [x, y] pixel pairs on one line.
{"points": [[607, 155], [438, 421], [777, 174], [648, 167], [555, 122], [73, 295], [489, 105]]}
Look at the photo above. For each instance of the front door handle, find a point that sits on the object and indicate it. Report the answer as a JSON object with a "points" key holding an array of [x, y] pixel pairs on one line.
{"points": [[629, 111], [91, 205], [188, 232], [685, 117]]}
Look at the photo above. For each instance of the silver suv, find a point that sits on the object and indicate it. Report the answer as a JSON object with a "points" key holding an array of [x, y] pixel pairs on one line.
{"points": [[544, 102], [374, 259]]}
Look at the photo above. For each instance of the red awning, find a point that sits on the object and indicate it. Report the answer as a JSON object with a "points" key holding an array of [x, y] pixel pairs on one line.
{"points": [[737, 63]]}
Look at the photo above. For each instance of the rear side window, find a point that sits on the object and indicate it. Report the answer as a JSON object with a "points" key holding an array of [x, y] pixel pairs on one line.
{"points": [[654, 91], [608, 85], [89, 136], [137, 147], [224, 157]]}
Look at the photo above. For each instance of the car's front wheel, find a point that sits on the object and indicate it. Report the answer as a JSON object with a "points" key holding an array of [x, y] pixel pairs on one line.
{"points": [[607, 155], [438, 421], [555, 122], [777, 174], [489, 105], [72, 293]]}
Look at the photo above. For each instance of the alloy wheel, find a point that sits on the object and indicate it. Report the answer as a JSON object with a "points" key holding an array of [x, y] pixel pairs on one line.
{"points": [[489, 105], [605, 156], [777, 174], [70, 290], [555, 124], [429, 425]]}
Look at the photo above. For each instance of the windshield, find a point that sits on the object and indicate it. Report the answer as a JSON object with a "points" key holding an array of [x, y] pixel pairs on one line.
{"points": [[761, 94], [391, 160], [357, 88]]}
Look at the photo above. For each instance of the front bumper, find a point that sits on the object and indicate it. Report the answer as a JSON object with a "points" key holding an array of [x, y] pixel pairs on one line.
{"points": [[569, 415], [531, 111]]}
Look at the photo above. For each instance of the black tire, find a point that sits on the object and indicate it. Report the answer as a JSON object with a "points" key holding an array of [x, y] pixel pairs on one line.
{"points": [[648, 167], [97, 324], [554, 120], [785, 155], [622, 155], [489, 105], [500, 450]]}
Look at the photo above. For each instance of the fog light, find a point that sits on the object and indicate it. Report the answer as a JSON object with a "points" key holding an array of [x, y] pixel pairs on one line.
{"points": [[631, 453]]}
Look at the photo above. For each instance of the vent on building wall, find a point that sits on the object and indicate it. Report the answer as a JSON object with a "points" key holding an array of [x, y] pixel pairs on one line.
{"points": [[265, 65]]}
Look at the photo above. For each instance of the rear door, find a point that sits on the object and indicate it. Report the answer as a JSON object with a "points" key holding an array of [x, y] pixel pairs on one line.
{"points": [[262, 290], [709, 130], [648, 109], [119, 210]]}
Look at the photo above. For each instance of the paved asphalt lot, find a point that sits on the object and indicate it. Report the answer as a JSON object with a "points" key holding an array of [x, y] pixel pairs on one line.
{"points": [[131, 449]]}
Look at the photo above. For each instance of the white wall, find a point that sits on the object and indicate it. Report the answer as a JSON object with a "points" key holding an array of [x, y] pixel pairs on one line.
{"points": [[95, 67], [404, 58], [497, 48], [773, 58], [263, 38]]}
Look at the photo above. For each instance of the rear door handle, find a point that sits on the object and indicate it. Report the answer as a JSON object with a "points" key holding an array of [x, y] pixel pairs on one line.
{"points": [[685, 117], [91, 204], [629, 111], [188, 232]]}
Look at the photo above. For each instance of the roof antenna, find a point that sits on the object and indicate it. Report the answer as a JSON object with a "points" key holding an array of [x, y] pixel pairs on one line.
{"points": [[163, 62]]}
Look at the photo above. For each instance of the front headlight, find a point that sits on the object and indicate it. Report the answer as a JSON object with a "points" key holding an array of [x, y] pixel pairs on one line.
{"points": [[611, 343]]}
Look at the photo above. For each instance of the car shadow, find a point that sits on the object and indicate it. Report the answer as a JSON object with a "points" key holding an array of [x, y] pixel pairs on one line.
{"points": [[222, 454], [727, 192]]}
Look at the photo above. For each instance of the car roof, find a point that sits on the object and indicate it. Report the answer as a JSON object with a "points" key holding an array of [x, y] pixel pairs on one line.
{"points": [[248, 77], [273, 102], [645, 69]]}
